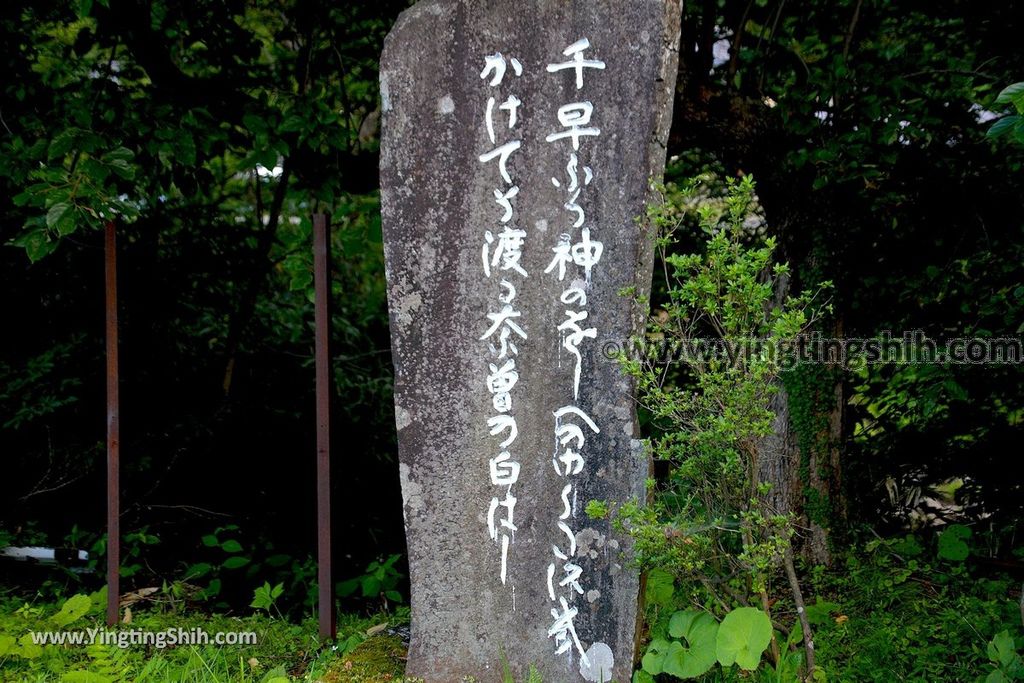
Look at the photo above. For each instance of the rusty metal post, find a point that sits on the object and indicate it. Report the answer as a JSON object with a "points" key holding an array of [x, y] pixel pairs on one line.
{"points": [[322, 284], [113, 432]]}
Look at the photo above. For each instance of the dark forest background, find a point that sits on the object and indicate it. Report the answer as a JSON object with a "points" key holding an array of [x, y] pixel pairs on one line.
{"points": [[210, 131]]}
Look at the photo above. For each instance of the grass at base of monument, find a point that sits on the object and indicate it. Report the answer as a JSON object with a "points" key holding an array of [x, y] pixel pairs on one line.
{"points": [[886, 610], [285, 652], [890, 610]]}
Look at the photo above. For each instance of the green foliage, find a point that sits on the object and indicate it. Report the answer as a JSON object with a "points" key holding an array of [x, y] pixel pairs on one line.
{"points": [[1011, 125], [696, 641], [889, 609], [107, 664], [210, 572], [660, 588], [42, 386], [695, 652], [887, 146], [290, 91], [73, 609], [709, 524], [209, 136], [597, 509], [266, 596], [132, 549], [953, 543], [283, 653], [187, 122], [378, 583], [80, 183], [227, 561], [380, 658], [913, 617], [533, 675], [810, 392], [743, 635], [16, 637], [1005, 658]]}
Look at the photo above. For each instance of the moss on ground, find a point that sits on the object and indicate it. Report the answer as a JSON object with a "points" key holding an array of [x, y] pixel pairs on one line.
{"points": [[380, 658]]}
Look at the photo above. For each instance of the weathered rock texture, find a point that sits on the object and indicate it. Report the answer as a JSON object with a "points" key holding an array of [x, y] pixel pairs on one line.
{"points": [[438, 202]]}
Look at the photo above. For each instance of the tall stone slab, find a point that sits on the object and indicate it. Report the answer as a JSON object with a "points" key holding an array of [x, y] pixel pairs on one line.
{"points": [[519, 145]]}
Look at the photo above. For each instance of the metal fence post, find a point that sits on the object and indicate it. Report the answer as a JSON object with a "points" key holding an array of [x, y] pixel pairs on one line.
{"points": [[113, 431], [322, 284]]}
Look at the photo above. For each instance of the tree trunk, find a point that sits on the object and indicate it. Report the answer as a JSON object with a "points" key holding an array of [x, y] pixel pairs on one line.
{"points": [[801, 458], [803, 469]]}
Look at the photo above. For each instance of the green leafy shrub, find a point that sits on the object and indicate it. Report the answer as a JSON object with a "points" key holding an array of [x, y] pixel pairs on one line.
{"points": [[1005, 657], [710, 525], [1011, 125], [378, 583], [283, 652]]}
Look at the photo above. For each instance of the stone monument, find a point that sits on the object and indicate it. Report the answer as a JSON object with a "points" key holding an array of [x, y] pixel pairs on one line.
{"points": [[520, 143]]}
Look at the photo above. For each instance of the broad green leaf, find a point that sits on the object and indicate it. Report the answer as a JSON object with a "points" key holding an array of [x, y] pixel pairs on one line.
{"points": [[123, 169], [28, 649], [821, 612], [73, 609], [211, 590], [698, 655], [235, 562], [1002, 126], [653, 660], [261, 597], [293, 123], [742, 636], [277, 560], [95, 169], [37, 244], [197, 570], [1001, 649], [952, 543], [1018, 130], [267, 158], [185, 147], [99, 599], [1012, 94], [908, 546], [62, 143], [660, 586], [119, 154], [57, 213], [371, 586], [255, 124], [300, 281], [231, 546]]}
